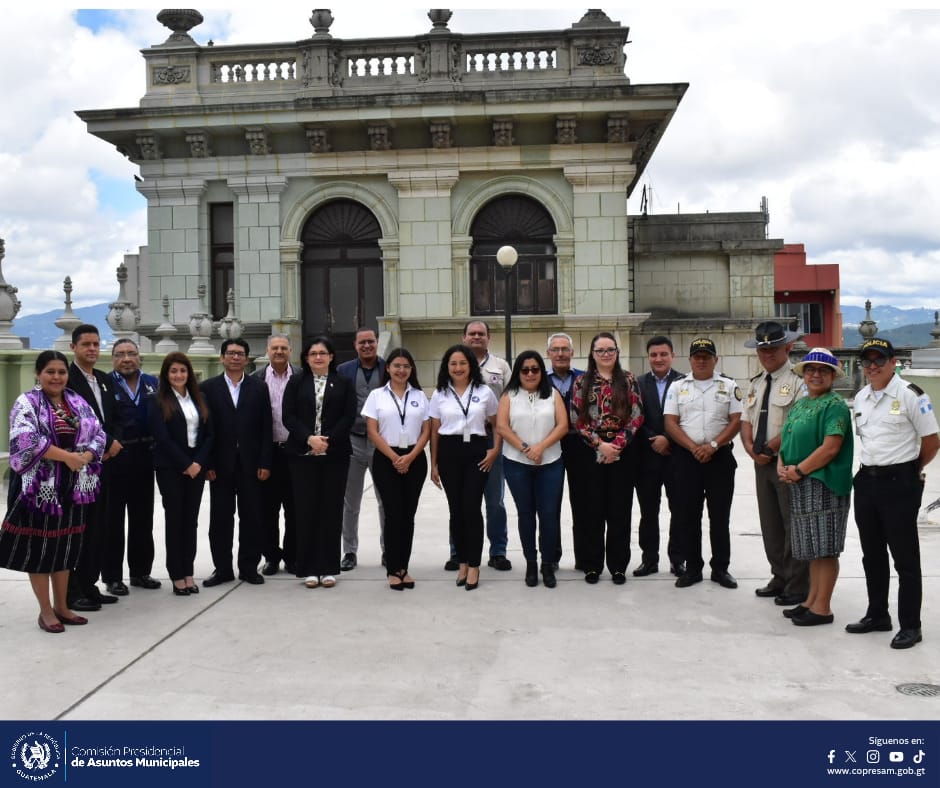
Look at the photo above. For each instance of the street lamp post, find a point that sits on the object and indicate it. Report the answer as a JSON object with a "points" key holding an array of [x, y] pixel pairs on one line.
{"points": [[507, 256]]}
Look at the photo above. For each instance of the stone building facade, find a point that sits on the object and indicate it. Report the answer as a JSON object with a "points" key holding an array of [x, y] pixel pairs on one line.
{"points": [[335, 182]]}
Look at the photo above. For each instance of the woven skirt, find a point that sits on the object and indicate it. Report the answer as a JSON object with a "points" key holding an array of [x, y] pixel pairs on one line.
{"points": [[42, 543], [818, 520]]}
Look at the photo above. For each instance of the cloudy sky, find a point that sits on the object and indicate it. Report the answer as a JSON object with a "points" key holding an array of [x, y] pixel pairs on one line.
{"points": [[832, 115]]}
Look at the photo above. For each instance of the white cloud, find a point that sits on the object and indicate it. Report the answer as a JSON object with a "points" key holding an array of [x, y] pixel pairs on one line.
{"points": [[829, 112]]}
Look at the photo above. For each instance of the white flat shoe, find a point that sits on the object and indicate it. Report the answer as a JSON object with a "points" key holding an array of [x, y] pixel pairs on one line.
{"points": [[313, 581], [328, 581]]}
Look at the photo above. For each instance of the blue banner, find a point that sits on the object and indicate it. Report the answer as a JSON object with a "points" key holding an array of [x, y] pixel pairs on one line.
{"points": [[412, 754]]}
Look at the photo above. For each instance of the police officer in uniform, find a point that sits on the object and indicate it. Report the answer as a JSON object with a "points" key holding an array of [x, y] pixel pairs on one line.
{"points": [[766, 404], [131, 489], [702, 413], [897, 430]]}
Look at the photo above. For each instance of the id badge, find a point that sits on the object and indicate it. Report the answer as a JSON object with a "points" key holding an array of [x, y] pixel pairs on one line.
{"points": [[402, 440], [466, 434]]}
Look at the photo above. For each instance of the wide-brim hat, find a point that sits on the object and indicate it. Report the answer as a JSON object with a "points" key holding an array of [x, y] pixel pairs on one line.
{"points": [[821, 356], [770, 333], [878, 345]]}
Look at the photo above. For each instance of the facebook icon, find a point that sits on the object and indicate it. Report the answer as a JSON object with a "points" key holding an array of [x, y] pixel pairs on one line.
{"points": [[832, 756]]}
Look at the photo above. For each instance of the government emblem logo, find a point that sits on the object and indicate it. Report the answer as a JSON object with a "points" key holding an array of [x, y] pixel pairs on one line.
{"points": [[35, 756]]}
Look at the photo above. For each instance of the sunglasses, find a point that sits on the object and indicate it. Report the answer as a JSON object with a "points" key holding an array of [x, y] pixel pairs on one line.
{"points": [[529, 370], [879, 362]]}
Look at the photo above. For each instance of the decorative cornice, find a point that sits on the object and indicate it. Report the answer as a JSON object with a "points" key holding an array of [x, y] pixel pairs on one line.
{"points": [[424, 183], [270, 186], [599, 176], [170, 75]]}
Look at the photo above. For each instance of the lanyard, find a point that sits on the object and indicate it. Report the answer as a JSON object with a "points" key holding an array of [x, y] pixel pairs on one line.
{"points": [[403, 409], [464, 410]]}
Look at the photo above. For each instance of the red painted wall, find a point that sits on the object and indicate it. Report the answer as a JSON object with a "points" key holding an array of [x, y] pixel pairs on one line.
{"points": [[796, 282]]}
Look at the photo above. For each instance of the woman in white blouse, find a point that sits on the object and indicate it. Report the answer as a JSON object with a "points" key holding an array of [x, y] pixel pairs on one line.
{"points": [[531, 421], [397, 425], [460, 408], [182, 440]]}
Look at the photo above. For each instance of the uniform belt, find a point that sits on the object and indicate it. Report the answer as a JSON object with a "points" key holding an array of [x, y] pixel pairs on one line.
{"points": [[889, 470]]}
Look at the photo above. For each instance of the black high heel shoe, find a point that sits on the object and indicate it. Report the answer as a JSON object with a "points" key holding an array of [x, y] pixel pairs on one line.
{"points": [[399, 586], [470, 586], [177, 591]]}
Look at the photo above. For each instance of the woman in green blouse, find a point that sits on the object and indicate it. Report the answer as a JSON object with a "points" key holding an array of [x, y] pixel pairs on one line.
{"points": [[816, 461]]}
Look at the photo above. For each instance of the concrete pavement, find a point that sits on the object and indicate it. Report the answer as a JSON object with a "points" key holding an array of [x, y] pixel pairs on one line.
{"points": [[646, 650]]}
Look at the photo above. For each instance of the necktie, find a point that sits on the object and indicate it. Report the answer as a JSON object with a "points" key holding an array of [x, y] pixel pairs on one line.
{"points": [[760, 437]]}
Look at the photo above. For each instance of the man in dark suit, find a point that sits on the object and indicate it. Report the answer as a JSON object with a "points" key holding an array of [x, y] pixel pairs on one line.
{"points": [[277, 491], [240, 461], [96, 388], [653, 461]]}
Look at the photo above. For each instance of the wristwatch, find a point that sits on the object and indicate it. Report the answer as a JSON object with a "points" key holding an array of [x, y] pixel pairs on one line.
{"points": [[713, 444], [799, 472]]}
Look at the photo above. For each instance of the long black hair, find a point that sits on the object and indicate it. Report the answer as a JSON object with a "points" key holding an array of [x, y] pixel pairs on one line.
{"points": [[400, 352], [164, 394], [620, 404], [443, 375], [515, 380], [318, 340], [43, 359]]}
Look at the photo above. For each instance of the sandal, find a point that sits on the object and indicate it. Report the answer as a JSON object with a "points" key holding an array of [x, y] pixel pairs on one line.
{"points": [[397, 586]]}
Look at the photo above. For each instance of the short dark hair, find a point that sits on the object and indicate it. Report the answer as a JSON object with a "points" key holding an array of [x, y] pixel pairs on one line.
{"points": [[659, 340], [43, 359], [471, 322], [226, 344], [124, 341], [319, 340], [84, 328]]}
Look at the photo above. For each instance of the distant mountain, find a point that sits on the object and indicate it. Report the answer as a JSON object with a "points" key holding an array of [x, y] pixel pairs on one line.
{"points": [[909, 336], [887, 318], [42, 331]]}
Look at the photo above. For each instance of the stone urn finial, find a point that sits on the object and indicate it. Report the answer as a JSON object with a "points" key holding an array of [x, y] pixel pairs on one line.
{"points": [[230, 327], [180, 21], [9, 307], [321, 19], [868, 327], [166, 330], [67, 321], [439, 18], [122, 314], [200, 327]]}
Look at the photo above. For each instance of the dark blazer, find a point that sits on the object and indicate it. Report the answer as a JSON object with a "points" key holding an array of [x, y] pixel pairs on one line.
{"points": [[348, 369], [300, 414], [242, 433], [170, 442], [653, 422], [79, 384]]}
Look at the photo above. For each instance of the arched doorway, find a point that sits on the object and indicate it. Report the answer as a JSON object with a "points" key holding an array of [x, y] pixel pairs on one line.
{"points": [[526, 225], [341, 273]]}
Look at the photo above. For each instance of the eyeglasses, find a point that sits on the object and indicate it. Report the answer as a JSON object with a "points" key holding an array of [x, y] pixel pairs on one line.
{"points": [[402, 367], [316, 353], [529, 370], [235, 354], [604, 351], [811, 370], [878, 361], [128, 354], [561, 350]]}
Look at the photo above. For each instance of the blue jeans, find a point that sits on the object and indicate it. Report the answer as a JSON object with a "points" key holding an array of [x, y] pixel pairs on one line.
{"points": [[534, 488], [496, 531]]}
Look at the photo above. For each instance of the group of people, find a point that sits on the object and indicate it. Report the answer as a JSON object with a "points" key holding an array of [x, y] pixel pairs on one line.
{"points": [[84, 446]]}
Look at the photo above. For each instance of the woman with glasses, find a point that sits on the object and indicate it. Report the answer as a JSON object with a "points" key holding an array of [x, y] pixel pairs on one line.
{"points": [[816, 461], [608, 411], [397, 425], [318, 410], [460, 409], [532, 420]]}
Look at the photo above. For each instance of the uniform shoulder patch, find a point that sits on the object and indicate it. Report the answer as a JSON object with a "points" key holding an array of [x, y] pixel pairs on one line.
{"points": [[737, 393], [916, 389]]}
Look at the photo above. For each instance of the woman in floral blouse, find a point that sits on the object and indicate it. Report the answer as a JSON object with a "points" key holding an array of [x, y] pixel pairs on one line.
{"points": [[608, 410]]}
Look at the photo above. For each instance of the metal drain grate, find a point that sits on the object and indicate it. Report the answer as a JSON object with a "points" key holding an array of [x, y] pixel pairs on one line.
{"points": [[920, 690]]}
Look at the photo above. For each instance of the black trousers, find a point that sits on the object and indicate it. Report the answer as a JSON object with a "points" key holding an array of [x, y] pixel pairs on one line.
{"points": [[131, 492], [653, 473], [319, 484], [463, 484], [277, 494], [243, 489], [578, 459], [696, 484], [181, 499], [86, 573], [605, 501], [886, 515], [399, 493]]}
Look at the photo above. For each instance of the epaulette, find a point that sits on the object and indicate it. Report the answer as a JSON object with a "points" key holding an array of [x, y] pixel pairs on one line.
{"points": [[723, 375], [916, 389], [757, 377]]}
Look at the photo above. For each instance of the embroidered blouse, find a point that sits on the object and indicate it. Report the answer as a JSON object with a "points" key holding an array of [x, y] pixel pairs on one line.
{"points": [[600, 424]]}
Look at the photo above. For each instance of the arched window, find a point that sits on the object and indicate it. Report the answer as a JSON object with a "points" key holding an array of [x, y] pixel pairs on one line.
{"points": [[523, 223]]}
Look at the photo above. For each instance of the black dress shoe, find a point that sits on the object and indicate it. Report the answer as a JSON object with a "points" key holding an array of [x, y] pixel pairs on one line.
{"points": [[102, 599], [452, 565], [811, 619], [592, 577], [785, 600], [869, 624], [251, 577], [177, 591], [290, 568], [215, 579], [193, 589], [619, 578], [270, 568], [771, 590], [724, 579], [146, 581], [906, 638], [500, 562], [531, 573], [84, 604], [795, 612], [348, 563], [117, 588], [677, 569], [688, 579], [548, 575], [646, 568]]}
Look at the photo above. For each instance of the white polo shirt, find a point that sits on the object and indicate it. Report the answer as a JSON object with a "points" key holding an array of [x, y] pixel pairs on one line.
{"points": [[704, 407], [890, 423], [472, 409], [397, 419]]}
